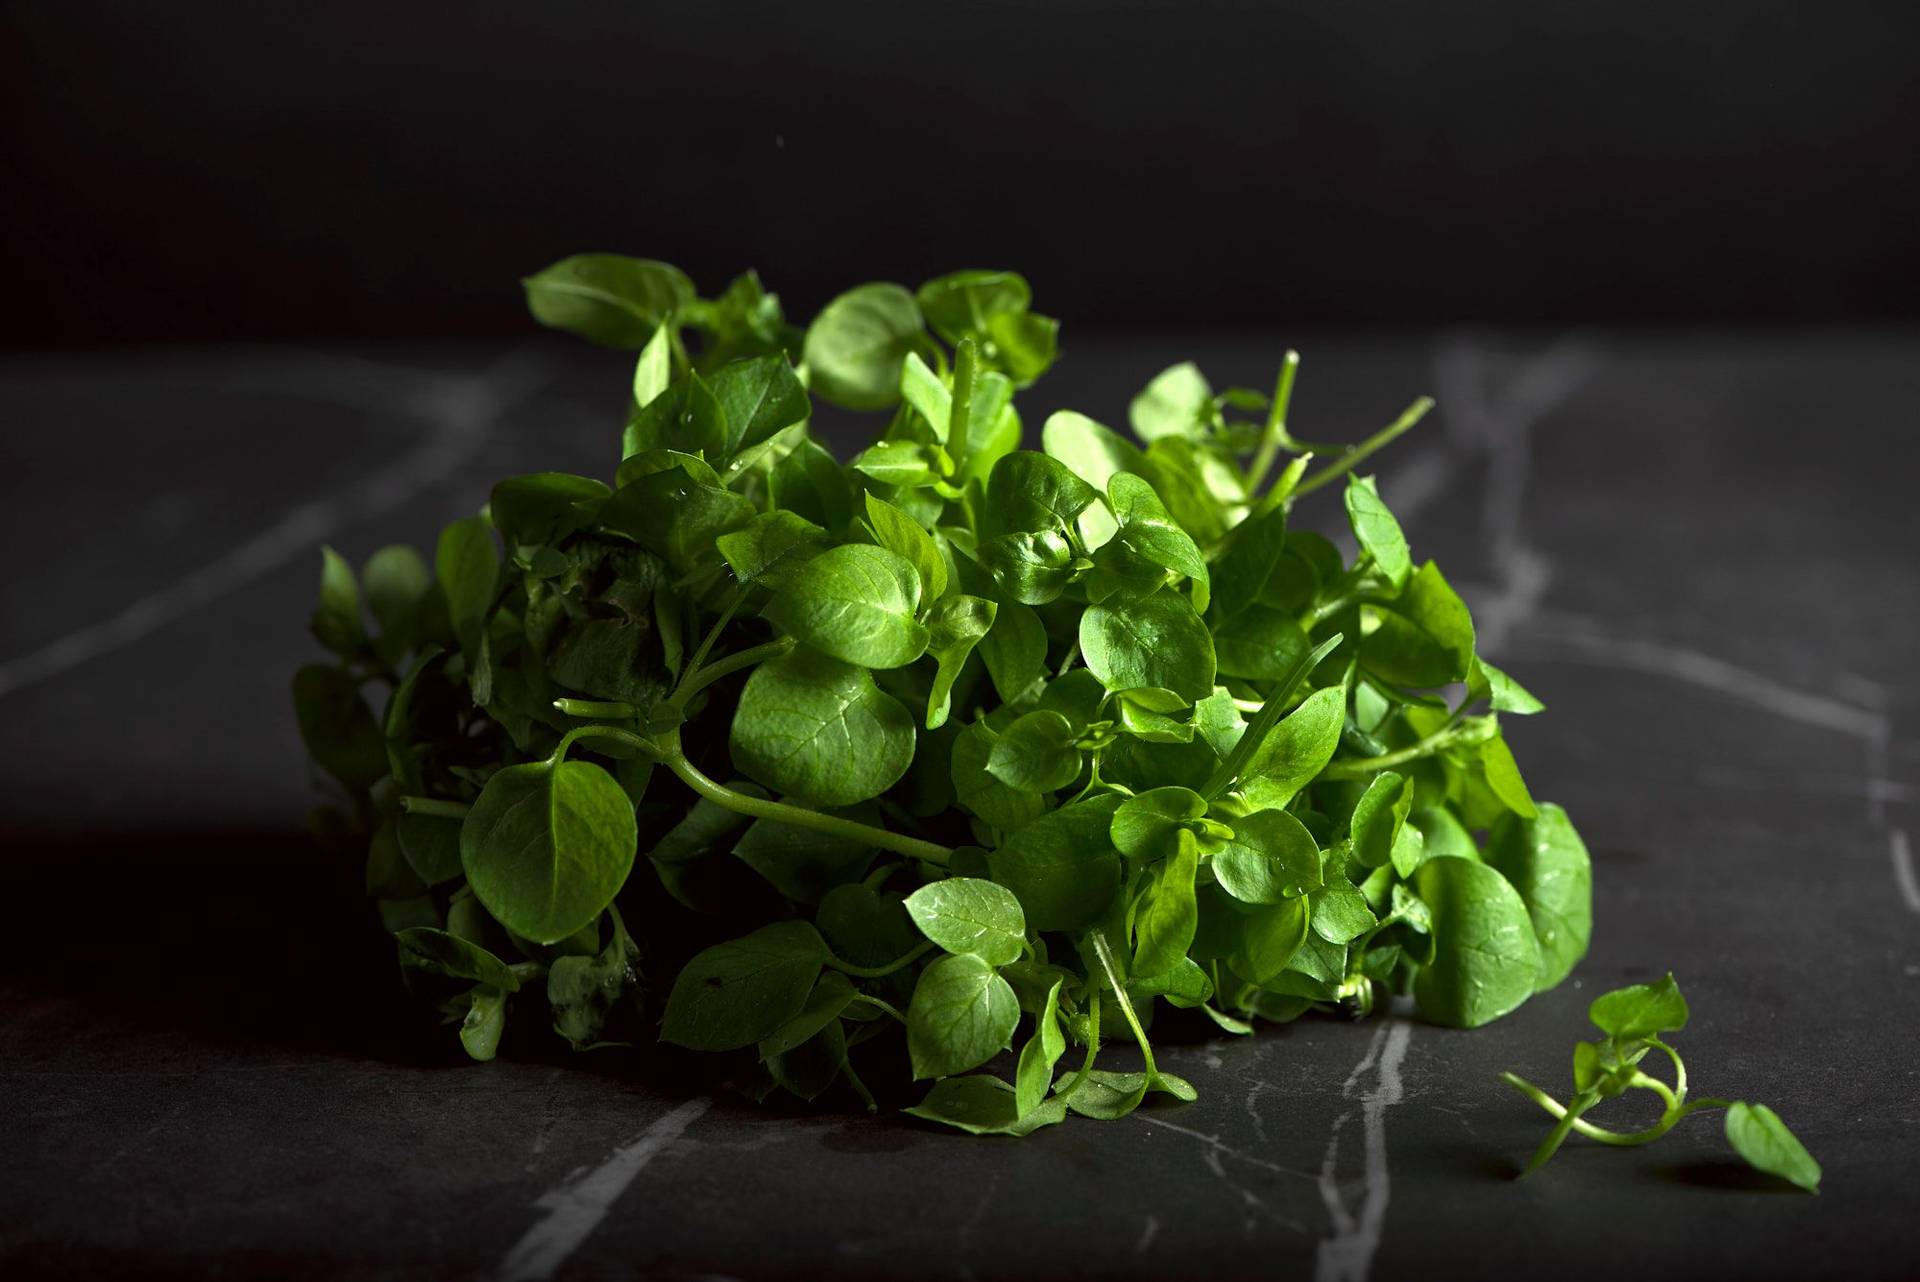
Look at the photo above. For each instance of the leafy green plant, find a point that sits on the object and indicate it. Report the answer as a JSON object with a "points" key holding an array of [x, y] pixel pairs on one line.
{"points": [[953, 750], [1633, 1018]]}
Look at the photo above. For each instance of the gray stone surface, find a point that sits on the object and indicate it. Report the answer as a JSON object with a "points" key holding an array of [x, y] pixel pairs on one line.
{"points": [[1701, 552]]}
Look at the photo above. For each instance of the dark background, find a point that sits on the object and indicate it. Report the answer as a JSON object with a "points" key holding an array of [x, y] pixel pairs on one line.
{"points": [[247, 170]]}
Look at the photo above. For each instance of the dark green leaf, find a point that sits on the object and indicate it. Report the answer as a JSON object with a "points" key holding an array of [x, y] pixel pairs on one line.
{"points": [[607, 298], [813, 727], [734, 994], [1485, 957], [857, 603], [968, 915], [962, 1015], [1547, 863], [546, 847]]}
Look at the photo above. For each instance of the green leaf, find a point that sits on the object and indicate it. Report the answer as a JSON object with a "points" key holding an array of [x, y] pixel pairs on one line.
{"points": [[1175, 403], [1379, 534], [337, 726], [336, 622], [543, 508], [1036, 753], [961, 303], [961, 1016], [921, 388], [435, 952], [855, 346], [1167, 915], [1425, 637], [1270, 937], [1547, 863], [1758, 1135], [467, 563], [1271, 856], [981, 1105], [736, 993], [997, 804], [679, 513], [1485, 957], [1023, 344], [1157, 642], [1062, 865], [1043, 1050], [969, 915], [900, 534], [818, 729], [955, 625], [1147, 824], [607, 298], [803, 864], [546, 847], [811, 484], [831, 995], [1259, 643], [770, 547], [653, 371], [1107, 1096], [1095, 453], [1640, 1010], [757, 398], [1378, 817], [1340, 913], [1031, 493], [857, 603], [1015, 651], [431, 844], [583, 992], [687, 417], [1152, 535], [1503, 777], [397, 582], [1294, 751], [1242, 574], [1502, 692]]}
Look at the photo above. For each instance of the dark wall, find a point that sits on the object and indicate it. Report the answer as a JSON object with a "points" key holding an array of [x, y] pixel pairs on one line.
{"points": [[262, 170]]}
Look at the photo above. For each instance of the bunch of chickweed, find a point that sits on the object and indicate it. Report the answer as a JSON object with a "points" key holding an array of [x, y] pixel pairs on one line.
{"points": [[953, 749]]}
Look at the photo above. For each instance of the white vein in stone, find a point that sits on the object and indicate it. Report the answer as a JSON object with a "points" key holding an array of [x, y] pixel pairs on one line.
{"points": [[576, 1208]]}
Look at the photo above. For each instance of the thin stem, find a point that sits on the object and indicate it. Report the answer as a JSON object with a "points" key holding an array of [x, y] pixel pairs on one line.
{"points": [[706, 644], [880, 972], [638, 742], [1093, 1043], [1276, 704], [800, 817], [1275, 434], [430, 806], [884, 1007], [1361, 767], [1597, 1133], [1105, 955], [695, 682], [1359, 453], [597, 708]]}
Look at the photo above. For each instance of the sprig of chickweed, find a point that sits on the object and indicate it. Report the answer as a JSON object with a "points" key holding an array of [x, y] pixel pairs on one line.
{"points": [[1633, 1019], [877, 770]]}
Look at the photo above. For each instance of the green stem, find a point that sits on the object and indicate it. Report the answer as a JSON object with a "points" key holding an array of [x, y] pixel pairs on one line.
{"points": [[1276, 704], [880, 972], [1570, 1118], [884, 1007], [695, 682], [1359, 453], [1105, 954], [800, 817], [636, 741], [1275, 434], [682, 693], [430, 806], [1361, 767], [597, 708], [1093, 1043]]}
